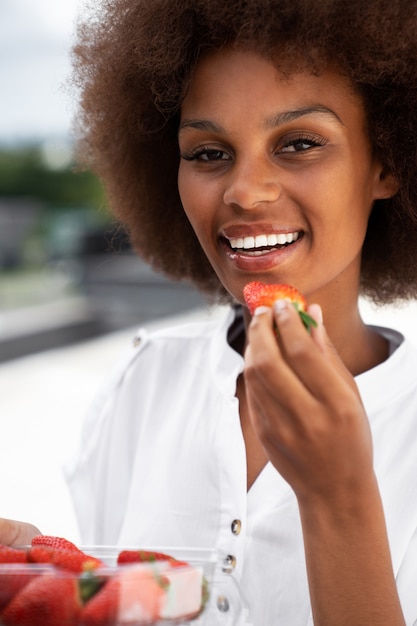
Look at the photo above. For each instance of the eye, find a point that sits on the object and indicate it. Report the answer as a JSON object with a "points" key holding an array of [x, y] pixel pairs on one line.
{"points": [[301, 144], [206, 155]]}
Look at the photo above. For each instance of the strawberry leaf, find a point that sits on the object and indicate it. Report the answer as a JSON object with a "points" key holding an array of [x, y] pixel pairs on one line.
{"points": [[307, 320]]}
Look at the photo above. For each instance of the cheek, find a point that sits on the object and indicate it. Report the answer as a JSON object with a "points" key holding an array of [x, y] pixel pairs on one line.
{"points": [[187, 196], [187, 188], [194, 208], [197, 202], [338, 204]]}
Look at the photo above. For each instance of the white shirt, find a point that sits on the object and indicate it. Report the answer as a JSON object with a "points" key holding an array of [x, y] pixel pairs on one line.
{"points": [[163, 463]]}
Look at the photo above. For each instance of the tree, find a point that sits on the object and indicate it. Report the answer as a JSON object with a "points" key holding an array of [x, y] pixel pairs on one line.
{"points": [[24, 172]]}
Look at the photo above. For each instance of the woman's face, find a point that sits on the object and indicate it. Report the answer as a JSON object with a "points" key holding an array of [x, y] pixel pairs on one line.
{"points": [[276, 175]]}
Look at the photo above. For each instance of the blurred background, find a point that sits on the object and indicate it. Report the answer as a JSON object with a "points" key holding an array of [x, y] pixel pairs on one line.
{"points": [[72, 294], [64, 265]]}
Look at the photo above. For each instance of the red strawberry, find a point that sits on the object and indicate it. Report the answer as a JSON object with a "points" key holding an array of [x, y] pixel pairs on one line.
{"points": [[260, 294], [73, 560], [12, 581], [49, 541], [144, 556], [45, 601], [134, 595], [15, 578], [12, 555]]}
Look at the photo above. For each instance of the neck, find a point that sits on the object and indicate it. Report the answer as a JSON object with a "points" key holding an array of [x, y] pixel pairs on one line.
{"points": [[359, 346]]}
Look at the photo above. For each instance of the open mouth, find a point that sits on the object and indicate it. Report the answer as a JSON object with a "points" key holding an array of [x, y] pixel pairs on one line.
{"points": [[263, 244]]}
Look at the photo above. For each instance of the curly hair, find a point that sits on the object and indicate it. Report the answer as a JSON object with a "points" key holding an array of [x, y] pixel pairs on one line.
{"points": [[133, 61]]}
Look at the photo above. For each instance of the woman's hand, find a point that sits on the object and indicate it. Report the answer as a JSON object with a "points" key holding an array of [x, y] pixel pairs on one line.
{"points": [[13, 533], [307, 412], [305, 406]]}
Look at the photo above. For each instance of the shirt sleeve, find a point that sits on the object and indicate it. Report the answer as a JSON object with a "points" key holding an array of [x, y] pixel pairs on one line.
{"points": [[85, 471]]}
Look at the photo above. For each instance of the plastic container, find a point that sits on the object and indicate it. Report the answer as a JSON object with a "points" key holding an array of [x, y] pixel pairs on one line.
{"points": [[160, 593]]}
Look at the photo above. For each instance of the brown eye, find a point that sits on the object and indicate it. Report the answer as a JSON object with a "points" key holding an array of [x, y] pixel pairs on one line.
{"points": [[212, 155], [206, 155], [301, 144]]}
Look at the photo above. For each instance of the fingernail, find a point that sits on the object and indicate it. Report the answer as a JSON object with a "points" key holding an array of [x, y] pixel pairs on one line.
{"points": [[261, 309], [280, 306]]}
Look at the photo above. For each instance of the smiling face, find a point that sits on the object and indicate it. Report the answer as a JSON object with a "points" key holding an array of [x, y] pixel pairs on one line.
{"points": [[276, 175]]}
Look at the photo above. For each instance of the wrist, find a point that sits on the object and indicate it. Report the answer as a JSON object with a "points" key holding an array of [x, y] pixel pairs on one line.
{"points": [[343, 507]]}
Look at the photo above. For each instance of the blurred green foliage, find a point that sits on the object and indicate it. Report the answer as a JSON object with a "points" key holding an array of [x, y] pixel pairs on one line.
{"points": [[49, 210], [26, 172]]}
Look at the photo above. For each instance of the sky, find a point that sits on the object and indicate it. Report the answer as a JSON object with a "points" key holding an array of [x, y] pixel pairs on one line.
{"points": [[35, 39]]}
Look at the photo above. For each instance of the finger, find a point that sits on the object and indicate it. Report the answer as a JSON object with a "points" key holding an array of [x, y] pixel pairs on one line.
{"points": [[317, 332], [312, 357], [277, 414], [274, 434], [322, 339], [266, 369], [14, 533]]}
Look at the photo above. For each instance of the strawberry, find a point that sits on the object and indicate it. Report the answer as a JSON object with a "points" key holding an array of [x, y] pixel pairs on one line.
{"points": [[15, 577], [186, 590], [49, 541], [102, 609], [73, 560], [45, 601], [133, 596], [145, 556], [11, 583], [12, 555], [261, 294]]}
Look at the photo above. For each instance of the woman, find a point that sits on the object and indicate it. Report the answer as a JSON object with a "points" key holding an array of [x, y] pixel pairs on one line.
{"points": [[270, 141]]}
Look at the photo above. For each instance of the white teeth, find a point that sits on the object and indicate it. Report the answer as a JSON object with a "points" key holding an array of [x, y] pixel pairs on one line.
{"points": [[248, 242], [262, 241]]}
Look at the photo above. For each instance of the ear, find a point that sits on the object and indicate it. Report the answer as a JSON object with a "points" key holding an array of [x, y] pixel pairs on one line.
{"points": [[385, 184]]}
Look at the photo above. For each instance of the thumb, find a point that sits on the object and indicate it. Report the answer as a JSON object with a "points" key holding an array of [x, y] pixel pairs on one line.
{"points": [[13, 533]]}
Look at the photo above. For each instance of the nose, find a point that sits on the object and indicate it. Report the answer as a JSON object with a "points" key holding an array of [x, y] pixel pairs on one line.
{"points": [[251, 183]]}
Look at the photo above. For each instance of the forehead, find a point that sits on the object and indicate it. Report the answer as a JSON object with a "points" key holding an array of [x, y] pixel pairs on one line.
{"points": [[231, 81]]}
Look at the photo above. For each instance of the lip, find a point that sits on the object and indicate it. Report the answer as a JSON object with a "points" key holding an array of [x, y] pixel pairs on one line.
{"points": [[246, 262], [252, 230]]}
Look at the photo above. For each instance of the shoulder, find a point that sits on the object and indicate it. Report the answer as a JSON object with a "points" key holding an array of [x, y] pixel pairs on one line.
{"points": [[194, 334], [169, 349], [199, 325]]}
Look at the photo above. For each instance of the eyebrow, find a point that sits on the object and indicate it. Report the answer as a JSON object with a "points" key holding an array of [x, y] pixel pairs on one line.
{"points": [[283, 117], [289, 116], [206, 125]]}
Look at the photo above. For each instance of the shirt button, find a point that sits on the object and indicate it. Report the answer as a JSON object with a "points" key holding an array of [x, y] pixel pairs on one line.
{"points": [[229, 563], [223, 604], [236, 526]]}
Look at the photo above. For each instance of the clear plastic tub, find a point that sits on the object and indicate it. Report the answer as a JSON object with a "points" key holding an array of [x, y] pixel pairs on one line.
{"points": [[196, 592]]}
